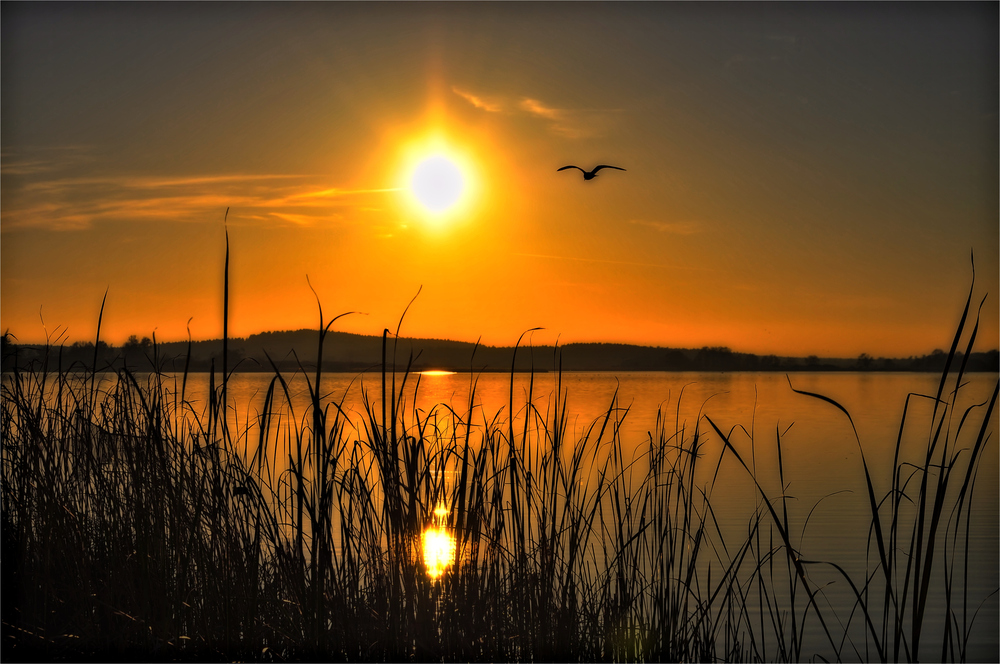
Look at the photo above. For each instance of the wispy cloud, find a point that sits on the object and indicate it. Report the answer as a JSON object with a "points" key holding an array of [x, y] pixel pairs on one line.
{"points": [[674, 227], [64, 185], [536, 107], [571, 123], [565, 122], [25, 167], [43, 159], [78, 202], [293, 218], [338, 193], [491, 106]]}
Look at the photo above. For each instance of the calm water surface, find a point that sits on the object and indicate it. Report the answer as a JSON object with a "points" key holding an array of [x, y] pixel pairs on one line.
{"points": [[821, 455]]}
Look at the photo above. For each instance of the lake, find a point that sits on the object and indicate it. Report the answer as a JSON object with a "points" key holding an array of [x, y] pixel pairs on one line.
{"points": [[822, 459]]}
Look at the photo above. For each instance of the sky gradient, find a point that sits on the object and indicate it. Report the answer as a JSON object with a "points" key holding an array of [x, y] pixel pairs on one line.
{"points": [[801, 178]]}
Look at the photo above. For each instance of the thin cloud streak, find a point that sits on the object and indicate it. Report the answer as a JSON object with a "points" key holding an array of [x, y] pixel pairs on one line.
{"points": [[568, 123], [478, 102], [536, 107], [572, 123], [557, 118], [74, 203], [43, 159], [296, 219], [127, 182], [27, 167], [336, 193]]}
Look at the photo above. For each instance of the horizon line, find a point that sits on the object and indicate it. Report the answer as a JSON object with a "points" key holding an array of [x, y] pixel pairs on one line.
{"points": [[65, 343]]}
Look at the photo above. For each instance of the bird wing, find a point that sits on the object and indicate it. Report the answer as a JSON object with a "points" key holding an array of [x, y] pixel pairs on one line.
{"points": [[597, 168], [565, 167]]}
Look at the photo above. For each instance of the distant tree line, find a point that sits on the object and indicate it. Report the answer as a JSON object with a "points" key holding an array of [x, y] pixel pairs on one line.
{"points": [[288, 351]]}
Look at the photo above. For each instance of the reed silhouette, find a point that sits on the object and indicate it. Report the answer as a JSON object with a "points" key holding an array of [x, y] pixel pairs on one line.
{"points": [[137, 525]]}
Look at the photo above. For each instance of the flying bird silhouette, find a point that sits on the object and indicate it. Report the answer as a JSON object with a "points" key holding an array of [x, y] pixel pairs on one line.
{"points": [[590, 175]]}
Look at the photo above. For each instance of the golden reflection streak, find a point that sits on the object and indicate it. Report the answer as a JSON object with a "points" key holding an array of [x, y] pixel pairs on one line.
{"points": [[438, 545]]}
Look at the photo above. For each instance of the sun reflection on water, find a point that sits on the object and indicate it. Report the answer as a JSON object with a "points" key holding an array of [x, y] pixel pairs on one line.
{"points": [[438, 545]]}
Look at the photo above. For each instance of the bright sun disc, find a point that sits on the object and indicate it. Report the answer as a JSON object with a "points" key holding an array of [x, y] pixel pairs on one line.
{"points": [[437, 183]]}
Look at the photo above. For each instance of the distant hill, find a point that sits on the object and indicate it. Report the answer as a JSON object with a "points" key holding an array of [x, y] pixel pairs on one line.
{"points": [[343, 351]]}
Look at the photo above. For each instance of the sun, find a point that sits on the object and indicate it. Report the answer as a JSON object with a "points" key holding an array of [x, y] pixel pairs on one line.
{"points": [[439, 180], [437, 183]]}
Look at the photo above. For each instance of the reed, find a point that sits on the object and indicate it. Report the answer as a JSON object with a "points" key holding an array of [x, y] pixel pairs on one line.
{"points": [[138, 524], [924, 512]]}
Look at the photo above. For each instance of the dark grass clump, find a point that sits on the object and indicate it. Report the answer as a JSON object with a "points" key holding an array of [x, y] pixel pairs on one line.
{"points": [[139, 526]]}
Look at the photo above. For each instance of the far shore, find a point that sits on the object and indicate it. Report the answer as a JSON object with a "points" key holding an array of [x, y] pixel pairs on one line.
{"points": [[288, 352]]}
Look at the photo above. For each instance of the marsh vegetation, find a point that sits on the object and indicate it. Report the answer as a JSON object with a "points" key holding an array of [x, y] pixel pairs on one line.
{"points": [[138, 524]]}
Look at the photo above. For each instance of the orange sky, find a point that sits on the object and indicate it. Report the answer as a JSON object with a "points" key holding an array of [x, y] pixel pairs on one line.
{"points": [[801, 179]]}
